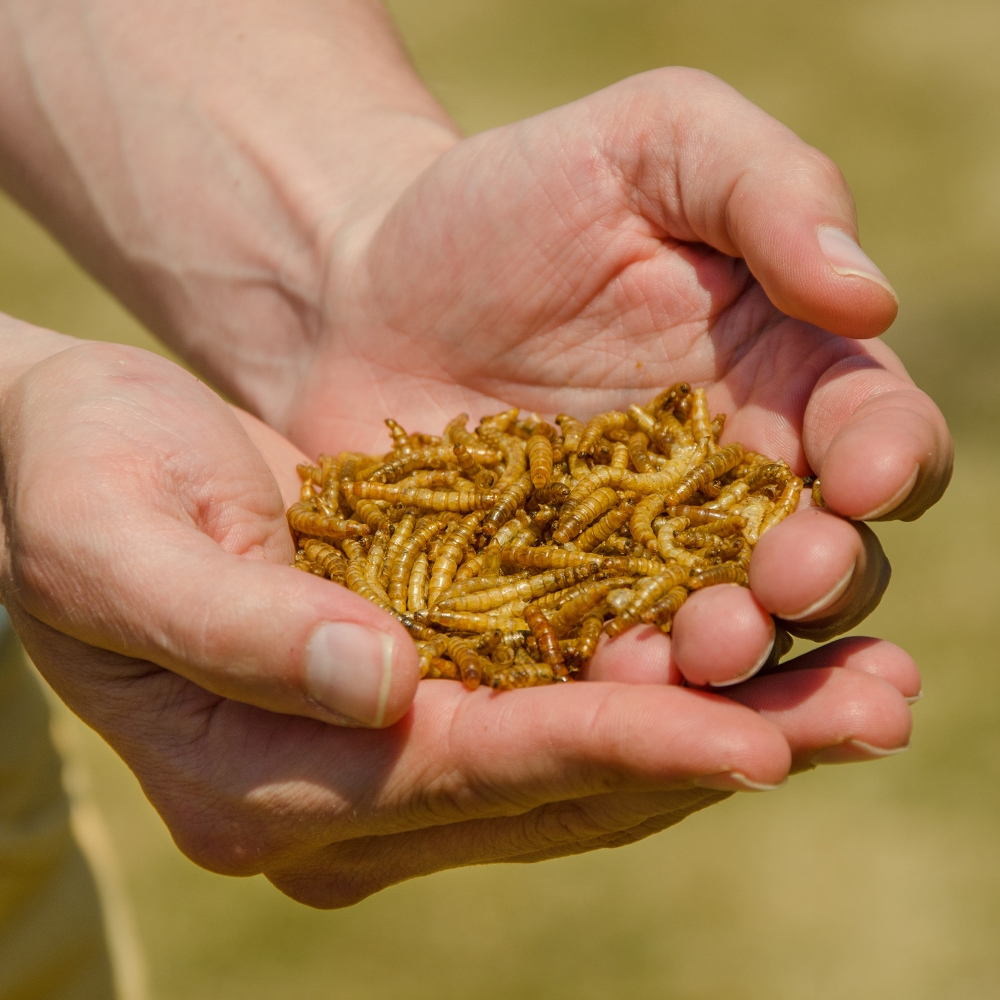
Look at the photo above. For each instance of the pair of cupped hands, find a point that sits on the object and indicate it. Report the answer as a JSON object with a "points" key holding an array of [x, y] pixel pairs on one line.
{"points": [[660, 230]]}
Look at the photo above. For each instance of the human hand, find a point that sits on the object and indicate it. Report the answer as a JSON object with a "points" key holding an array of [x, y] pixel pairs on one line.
{"points": [[145, 569], [586, 258]]}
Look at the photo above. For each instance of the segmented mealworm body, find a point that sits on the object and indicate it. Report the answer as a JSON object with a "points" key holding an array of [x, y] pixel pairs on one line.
{"points": [[400, 438], [698, 515], [478, 584], [524, 590], [664, 479], [375, 562], [467, 659], [641, 523], [606, 526], [613, 419], [451, 553], [547, 557], [668, 399], [784, 505], [441, 669], [638, 450], [755, 509], [701, 420], [429, 650], [539, 454], [632, 564], [416, 586], [616, 545], [455, 432], [730, 496], [303, 519], [356, 578], [723, 550], [404, 528], [587, 597], [307, 565], [483, 478], [326, 556], [713, 467], [599, 478], [424, 530], [441, 500], [723, 573], [711, 532], [587, 510], [646, 592], [774, 472], [523, 675], [499, 422], [590, 633], [548, 641], [503, 507], [467, 621], [666, 537], [662, 612]]}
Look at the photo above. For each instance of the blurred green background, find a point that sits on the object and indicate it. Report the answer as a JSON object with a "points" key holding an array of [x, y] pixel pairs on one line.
{"points": [[879, 881]]}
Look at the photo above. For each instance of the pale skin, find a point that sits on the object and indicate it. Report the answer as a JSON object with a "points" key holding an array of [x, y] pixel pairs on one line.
{"points": [[271, 188]]}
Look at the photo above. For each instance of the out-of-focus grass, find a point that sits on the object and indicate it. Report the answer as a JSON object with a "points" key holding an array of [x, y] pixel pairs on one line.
{"points": [[880, 881]]}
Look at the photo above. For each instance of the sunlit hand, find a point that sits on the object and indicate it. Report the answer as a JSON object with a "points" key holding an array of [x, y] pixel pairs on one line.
{"points": [[145, 567], [584, 259]]}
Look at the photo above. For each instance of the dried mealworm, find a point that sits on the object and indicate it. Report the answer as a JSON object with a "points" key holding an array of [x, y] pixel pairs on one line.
{"points": [[662, 612], [548, 641], [451, 553], [416, 586], [707, 535], [713, 467], [603, 529], [504, 505], [701, 420], [307, 565], [546, 557], [525, 590], [573, 431], [326, 556], [539, 454], [467, 659], [641, 522], [586, 511], [784, 505], [467, 621], [723, 573]]}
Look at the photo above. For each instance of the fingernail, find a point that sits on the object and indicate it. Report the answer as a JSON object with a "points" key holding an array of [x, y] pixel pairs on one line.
{"points": [[854, 751], [914, 698], [894, 501], [733, 781], [747, 674], [348, 670], [847, 258], [827, 600]]}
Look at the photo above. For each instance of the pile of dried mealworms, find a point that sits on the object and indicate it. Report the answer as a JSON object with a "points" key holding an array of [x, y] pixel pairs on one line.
{"points": [[507, 551]]}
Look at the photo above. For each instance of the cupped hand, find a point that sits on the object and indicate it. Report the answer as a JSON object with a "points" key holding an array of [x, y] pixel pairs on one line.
{"points": [[664, 229], [145, 567]]}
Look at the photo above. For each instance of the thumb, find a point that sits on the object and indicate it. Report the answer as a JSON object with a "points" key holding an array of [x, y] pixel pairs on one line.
{"points": [[281, 639], [246, 629], [709, 166]]}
